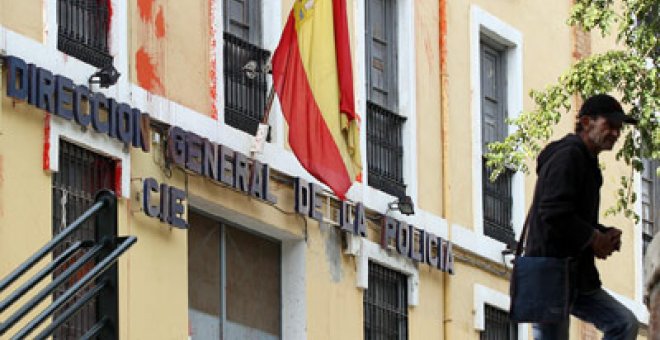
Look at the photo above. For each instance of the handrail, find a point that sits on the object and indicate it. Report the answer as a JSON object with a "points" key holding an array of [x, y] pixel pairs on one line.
{"points": [[72, 310], [103, 253], [26, 308], [35, 279], [94, 331], [92, 274], [46, 249]]}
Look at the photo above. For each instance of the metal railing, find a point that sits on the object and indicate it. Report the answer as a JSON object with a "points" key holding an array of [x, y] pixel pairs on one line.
{"points": [[498, 326], [497, 206], [246, 83], [386, 304], [83, 27], [101, 278], [385, 150]]}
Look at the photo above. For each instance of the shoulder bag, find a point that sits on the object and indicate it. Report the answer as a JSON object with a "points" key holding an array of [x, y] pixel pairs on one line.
{"points": [[540, 287]]}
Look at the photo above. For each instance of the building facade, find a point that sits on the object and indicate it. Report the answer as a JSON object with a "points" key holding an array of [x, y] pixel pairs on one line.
{"points": [[234, 244]]}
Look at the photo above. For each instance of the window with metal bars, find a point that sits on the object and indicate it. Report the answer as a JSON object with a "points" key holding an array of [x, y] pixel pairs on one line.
{"points": [[246, 84], [385, 150], [497, 196], [83, 30], [81, 174], [385, 304], [384, 124], [650, 202], [498, 326], [245, 89]]}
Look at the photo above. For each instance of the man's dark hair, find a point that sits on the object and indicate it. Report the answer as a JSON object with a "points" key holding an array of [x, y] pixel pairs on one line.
{"points": [[600, 105]]}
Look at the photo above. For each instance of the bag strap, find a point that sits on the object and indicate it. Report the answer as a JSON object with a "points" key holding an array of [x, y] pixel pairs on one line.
{"points": [[523, 236]]}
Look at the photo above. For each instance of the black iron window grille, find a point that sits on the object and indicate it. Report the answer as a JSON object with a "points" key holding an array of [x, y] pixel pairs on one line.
{"points": [[83, 28], [497, 205], [246, 83], [82, 173], [385, 150], [385, 305], [498, 326]]}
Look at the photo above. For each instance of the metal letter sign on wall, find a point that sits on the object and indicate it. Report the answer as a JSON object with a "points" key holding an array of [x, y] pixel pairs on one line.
{"points": [[60, 96]]}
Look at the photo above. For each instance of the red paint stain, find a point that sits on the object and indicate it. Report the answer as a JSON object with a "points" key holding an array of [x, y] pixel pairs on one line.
{"points": [[213, 88], [146, 72], [108, 24], [46, 154], [145, 7], [160, 23], [118, 178]]}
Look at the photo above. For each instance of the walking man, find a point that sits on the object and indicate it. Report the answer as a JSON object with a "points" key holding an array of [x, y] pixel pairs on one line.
{"points": [[564, 218]]}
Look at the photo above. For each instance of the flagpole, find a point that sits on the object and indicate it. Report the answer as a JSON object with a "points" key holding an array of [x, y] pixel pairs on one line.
{"points": [[263, 128], [269, 104]]}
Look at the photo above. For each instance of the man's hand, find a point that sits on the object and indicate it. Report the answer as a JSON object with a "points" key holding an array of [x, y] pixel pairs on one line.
{"points": [[605, 243], [615, 233]]}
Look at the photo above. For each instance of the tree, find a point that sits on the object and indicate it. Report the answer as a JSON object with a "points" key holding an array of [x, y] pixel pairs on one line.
{"points": [[631, 71]]}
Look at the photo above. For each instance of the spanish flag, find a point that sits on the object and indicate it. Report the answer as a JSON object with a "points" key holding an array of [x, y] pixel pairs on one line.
{"points": [[313, 79]]}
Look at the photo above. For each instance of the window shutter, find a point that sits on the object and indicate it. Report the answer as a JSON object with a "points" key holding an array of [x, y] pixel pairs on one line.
{"points": [[242, 19], [381, 53]]}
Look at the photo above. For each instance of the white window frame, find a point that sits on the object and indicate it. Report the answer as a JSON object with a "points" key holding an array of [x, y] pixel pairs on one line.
{"points": [[637, 241], [484, 24], [47, 56], [487, 296], [406, 54], [293, 264], [365, 251]]}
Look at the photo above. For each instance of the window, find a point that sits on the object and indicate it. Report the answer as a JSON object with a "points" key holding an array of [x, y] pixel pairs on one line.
{"points": [[650, 202], [384, 124], [498, 326], [83, 27], [82, 173], [385, 304], [497, 198], [245, 80], [234, 276]]}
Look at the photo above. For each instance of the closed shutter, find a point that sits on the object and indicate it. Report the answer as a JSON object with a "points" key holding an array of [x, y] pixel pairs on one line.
{"points": [[381, 54]]}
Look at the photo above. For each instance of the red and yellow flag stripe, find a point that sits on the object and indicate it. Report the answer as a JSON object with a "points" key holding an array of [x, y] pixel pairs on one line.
{"points": [[312, 76]]}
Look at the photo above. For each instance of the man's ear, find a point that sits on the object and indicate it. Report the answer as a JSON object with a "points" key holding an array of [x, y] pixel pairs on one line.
{"points": [[584, 120]]}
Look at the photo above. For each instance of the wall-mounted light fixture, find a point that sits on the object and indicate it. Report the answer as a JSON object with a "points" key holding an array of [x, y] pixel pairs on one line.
{"points": [[403, 204], [105, 76]]}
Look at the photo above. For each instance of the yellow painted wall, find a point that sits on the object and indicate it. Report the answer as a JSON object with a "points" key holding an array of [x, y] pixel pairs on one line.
{"points": [[426, 320], [170, 53], [334, 303], [25, 207], [25, 17], [429, 142], [546, 54], [153, 273]]}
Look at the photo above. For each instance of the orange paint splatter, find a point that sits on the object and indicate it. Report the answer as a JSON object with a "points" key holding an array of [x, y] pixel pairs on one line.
{"points": [[145, 7], [146, 72], [443, 36], [160, 23]]}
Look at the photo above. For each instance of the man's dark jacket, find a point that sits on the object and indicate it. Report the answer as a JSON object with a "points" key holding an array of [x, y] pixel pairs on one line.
{"points": [[564, 212]]}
